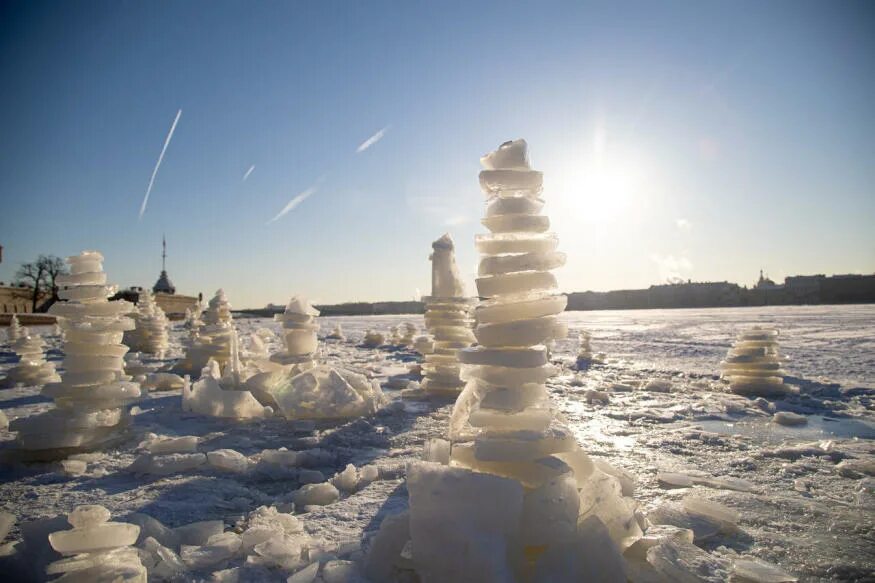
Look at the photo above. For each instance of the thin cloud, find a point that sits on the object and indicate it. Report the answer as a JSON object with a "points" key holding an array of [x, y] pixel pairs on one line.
{"points": [[456, 220], [372, 140], [248, 172], [683, 224], [298, 199], [158, 163]]}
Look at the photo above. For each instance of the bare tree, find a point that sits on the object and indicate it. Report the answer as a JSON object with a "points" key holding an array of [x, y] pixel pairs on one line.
{"points": [[33, 275], [53, 267]]}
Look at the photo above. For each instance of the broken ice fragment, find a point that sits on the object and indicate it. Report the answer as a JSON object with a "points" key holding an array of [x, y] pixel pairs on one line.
{"points": [[750, 570], [316, 495]]}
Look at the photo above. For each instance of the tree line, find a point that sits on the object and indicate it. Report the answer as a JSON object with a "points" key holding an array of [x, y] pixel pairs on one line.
{"points": [[42, 275]]}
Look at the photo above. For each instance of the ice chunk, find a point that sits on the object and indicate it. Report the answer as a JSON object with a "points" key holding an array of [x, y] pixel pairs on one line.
{"points": [[283, 551], [550, 512], [153, 528], [88, 515], [164, 465], [437, 450], [656, 535], [788, 418], [714, 510], [168, 565], [338, 571], [198, 533], [95, 538], [658, 386], [385, 551], [316, 495], [7, 519], [4, 421], [685, 563], [218, 548], [163, 445], [74, 467], [347, 480], [305, 575], [591, 556], [675, 479], [627, 480], [455, 537], [703, 526], [750, 570], [228, 460], [325, 392]]}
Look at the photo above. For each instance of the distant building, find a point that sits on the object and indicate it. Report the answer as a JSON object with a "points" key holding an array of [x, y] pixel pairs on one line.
{"points": [[163, 285], [765, 283]]}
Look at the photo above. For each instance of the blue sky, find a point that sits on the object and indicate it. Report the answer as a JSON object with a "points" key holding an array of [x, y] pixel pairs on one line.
{"points": [[701, 140]]}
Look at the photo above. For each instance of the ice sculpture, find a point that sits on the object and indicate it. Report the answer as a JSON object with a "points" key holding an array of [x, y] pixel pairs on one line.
{"points": [[32, 368], [151, 332], [406, 334], [223, 395], [448, 319], [753, 365], [299, 330], [193, 315], [373, 339], [15, 330], [96, 549], [91, 397], [212, 340], [585, 356], [336, 334], [548, 501]]}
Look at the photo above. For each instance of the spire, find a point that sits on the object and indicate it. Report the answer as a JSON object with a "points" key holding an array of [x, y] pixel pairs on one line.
{"points": [[163, 285], [163, 252]]}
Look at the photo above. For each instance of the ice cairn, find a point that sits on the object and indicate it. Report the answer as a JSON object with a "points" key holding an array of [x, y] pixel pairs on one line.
{"points": [[193, 315], [212, 340], [151, 332], [448, 319], [14, 331], [553, 514], [373, 339], [585, 355], [92, 396], [32, 368], [753, 365], [96, 549], [336, 334]]}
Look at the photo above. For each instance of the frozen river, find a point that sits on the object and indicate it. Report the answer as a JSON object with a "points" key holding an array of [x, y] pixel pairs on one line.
{"points": [[810, 507]]}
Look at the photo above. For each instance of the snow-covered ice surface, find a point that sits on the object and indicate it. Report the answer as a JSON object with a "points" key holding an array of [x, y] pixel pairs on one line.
{"points": [[805, 493]]}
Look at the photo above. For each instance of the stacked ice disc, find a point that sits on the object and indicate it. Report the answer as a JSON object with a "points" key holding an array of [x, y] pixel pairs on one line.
{"points": [[336, 334], [96, 549], [448, 319], [212, 340], [299, 330], [15, 330], [151, 334], [32, 368], [753, 365], [373, 339], [91, 397]]}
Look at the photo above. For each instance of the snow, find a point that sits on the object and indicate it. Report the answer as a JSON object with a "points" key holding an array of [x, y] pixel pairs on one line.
{"points": [[726, 444]]}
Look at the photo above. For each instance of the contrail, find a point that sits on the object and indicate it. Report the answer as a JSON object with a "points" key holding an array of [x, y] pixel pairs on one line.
{"points": [[248, 172], [158, 163], [298, 199], [372, 140]]}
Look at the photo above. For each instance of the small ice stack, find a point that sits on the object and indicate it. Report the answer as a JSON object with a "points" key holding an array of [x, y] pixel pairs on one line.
{"points": [[299, 333], [97, 549], [448, 319], [32, 368], [14, 332], [553, 513], [212, 340], [91, 398], [753, 365], [151, 334]]}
